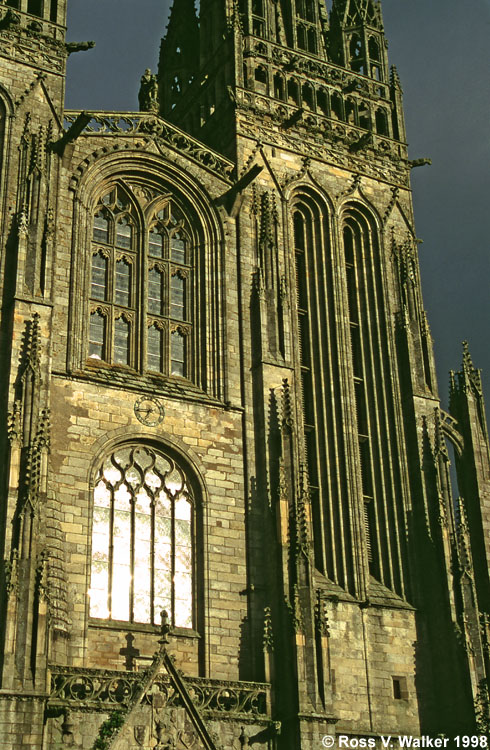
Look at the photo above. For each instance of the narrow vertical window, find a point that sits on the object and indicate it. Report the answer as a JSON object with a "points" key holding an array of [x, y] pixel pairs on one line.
{"points": [[177, 297], [97, 335], [98, 288], [123, 234], [121, 341], [155, 349], [113, 279], [53, 12], [155, 241], [378, 441], [155, 291], [177, 354], [101, 228], [123, 283], [177, 248]]}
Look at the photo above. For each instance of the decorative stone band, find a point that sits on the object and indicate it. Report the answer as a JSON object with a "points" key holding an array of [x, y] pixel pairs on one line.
{"points": [[103, 690], [138, 123]]}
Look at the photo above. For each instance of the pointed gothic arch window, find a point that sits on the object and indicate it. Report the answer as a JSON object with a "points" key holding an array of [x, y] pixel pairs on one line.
{"points": [[337, 106], [382, 122], [307, 96], [279, 86], [324, 433], [293, 92], [142, 270], [378, 444], [261, 79], [143, 538]]}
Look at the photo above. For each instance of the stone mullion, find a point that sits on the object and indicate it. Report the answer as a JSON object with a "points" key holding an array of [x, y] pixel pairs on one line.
{"points": [[111, 552]]}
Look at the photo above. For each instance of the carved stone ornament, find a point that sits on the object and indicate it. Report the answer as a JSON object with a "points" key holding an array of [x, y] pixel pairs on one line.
{"points": [[140, 733], [174, 731]]}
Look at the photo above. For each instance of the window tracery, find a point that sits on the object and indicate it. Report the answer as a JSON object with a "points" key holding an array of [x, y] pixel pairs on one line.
{"points": [[142, 270], [142, 539]]}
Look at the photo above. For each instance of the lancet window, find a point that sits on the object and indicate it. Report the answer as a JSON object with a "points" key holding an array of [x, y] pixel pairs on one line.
{"points": [[142, 539], [141, 286], [373, 396], [347, 401], [324, 422]]}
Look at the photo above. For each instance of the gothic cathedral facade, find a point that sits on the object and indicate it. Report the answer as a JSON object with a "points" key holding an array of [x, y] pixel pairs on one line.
{"points": [[233, 511]]}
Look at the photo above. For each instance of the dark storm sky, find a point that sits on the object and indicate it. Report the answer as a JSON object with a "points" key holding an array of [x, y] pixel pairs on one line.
{"points": [[441, 50]]}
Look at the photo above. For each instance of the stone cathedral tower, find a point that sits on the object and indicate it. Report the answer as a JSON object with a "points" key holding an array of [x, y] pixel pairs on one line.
{"points": [[219, 401]]}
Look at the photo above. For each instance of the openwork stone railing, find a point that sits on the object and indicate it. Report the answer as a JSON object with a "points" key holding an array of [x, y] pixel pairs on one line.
{"points": [[103, 690], [140, 123]]}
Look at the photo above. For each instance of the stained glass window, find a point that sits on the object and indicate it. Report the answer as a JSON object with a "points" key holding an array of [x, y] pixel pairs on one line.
{"points": [[142, 539], [141, 268]]}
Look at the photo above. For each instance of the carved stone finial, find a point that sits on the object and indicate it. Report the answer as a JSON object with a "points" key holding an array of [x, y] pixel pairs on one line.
{"points": [[165, 628], [22, 221], [321, 618], [440, 446], [395, 78], [268, 638]]}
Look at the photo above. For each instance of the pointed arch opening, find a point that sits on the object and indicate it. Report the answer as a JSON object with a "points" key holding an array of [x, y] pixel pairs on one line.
{"points": [[378, 443], [143, 537]]}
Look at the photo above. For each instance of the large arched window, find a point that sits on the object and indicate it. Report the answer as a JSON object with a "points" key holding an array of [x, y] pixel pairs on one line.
{"points": [[321, 389], [347, 387], [141, 285], [142, 539], [373, 379]]}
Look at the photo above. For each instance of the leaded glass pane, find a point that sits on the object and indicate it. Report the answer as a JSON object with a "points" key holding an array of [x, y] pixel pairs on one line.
{"points": [[155, 243], [183, 559], [120, 592], [177, 354], [155, 349], [123, 234], [99, 588], [174, 481], [163, 594], [101, 228], [177, 247], [182, 533], [97, 336], [177, 297], [183, 509], [123, 283], [121, 342], [183, 600], [155, 291], [98, 288]]}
